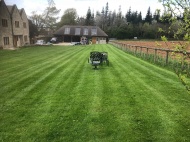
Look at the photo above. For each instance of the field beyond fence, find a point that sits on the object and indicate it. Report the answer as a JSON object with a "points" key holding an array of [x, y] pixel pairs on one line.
{"points": [[161, 53]]}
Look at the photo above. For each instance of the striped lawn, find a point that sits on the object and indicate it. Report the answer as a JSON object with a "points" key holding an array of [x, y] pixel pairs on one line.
{"points": [[53, 94]]}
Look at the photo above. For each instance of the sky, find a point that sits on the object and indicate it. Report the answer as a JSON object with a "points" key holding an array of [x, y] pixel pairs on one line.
{"points": [[82, 5]]}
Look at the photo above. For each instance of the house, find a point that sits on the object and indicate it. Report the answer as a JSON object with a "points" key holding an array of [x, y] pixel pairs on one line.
{"points": [[70, 33], [14, 27]]}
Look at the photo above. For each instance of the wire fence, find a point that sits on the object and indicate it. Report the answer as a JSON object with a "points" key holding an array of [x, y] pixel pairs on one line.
{"points": [[172, 59]]}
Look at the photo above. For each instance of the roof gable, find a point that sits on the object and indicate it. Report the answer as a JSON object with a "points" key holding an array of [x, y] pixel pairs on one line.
{"points": [[11, 9], [3, 8], [23, 14]]}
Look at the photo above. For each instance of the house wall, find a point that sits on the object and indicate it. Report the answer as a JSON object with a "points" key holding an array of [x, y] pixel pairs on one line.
{"points": [[26, 38], [101, 40], [17, 31], [13, 35], [5, 31], [16, 17]]}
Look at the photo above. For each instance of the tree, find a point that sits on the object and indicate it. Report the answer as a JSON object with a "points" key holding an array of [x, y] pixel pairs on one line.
{"points": [[102, 19], [48, 18], [69, 17], [80, 21], [176, 8], [157, 15], [89, 18], [37, 19], [148, 17], [139, 17], [33, 30], [119, 18], [128, 15], [50, 15], [133, 17], [106, 17], [148, 31]]}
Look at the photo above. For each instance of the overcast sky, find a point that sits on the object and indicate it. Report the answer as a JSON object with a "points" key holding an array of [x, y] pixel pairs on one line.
{"points": [[82, 5]]}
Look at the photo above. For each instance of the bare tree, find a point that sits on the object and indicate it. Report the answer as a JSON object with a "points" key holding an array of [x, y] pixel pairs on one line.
{"points": [[48, 18]]}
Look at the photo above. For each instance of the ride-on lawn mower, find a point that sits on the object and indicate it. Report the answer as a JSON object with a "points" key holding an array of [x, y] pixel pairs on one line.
{"points": [[98, 58]]}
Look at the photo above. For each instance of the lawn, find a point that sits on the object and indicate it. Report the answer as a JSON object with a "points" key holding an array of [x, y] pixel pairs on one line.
{"points": [[53, 94]]}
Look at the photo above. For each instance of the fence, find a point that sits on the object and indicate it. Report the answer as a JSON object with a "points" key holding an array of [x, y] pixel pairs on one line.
{"points": [[175, 60]]}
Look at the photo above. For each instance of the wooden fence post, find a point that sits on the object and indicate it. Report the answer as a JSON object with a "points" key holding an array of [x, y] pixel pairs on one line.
{"points": [[141, 51], [155, 55], [147, 52], [167, 55], [135, 50]]}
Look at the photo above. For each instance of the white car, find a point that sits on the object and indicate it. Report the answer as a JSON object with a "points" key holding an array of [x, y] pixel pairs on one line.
{"points": [[40, 42]]}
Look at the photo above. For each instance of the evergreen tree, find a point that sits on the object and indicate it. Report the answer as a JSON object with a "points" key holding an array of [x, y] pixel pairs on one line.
{"points": [[88, 17], [113, 18], [134, 17], [128, 15], [157, 15], [92, 19], [139, 18], [148, 17], [102, 19], [106, 11], [119, 15]]}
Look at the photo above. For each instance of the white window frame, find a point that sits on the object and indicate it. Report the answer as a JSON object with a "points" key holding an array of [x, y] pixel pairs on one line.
{"points": [[77, 31], [6, 40], [94, 31], [17, 24], [85, 32], [67, 31]]}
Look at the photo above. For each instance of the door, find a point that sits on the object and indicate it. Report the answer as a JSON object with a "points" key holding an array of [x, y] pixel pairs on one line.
{"points": [[15, 39], [93, 40]]}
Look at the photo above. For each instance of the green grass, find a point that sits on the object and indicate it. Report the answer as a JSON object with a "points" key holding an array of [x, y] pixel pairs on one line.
{"points": [[53, 94]]}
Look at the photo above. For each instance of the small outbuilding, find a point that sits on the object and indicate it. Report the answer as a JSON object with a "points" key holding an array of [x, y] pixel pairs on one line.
{"points": [[94, 34]]}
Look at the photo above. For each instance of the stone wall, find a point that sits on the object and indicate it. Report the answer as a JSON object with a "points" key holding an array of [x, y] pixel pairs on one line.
{"points": [[16, 29], [5, 31]]}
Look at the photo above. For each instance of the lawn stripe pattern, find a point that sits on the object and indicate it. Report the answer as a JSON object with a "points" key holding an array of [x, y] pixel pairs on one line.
{"points": [[53, 94]]}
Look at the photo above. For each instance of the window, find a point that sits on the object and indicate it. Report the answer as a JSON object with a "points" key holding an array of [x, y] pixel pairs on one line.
{"points": [[4, 23], [25, 38], [94, 31], [77, 31], [24, 24], [6, 40], [67, 30], [17, 24], [85, 31]]}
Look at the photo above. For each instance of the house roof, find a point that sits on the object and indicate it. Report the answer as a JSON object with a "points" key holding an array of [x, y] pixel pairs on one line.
{"points": [[81, 31], [2, 2]]}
